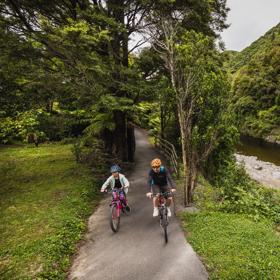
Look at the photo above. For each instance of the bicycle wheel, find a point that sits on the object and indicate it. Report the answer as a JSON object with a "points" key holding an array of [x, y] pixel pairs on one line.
{"points": [[165, 224], [115, 218], [163, 221]]}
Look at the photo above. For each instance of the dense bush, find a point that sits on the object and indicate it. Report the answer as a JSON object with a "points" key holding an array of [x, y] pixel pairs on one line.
{"points": [[53, 126], [90, 151], [18, 127], [238, 193], [148, 116]]}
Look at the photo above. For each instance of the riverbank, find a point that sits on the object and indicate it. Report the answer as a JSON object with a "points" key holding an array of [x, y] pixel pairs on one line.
{"points": [[264, 172]]}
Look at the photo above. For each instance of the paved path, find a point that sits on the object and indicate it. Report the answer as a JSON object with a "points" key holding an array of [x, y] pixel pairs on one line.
{"points": [[137, 251]]}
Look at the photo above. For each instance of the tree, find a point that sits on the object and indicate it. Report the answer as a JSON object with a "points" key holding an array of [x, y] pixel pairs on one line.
{"points": [[84, 45], [201, 92]]}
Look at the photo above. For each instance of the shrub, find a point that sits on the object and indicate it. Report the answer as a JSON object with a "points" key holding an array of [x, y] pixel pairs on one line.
{"points": [[240, 194], [18, 127]]}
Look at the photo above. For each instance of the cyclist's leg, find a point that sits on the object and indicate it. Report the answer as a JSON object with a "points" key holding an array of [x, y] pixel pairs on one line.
{"points": [[155, 201], [155, 190], [168, 199], [124, 200]]}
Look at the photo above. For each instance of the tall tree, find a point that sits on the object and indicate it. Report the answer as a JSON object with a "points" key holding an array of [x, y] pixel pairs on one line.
{"points": [[199, 86], [71, 41]]}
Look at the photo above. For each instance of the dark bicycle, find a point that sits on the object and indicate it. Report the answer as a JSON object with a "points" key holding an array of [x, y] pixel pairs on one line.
{"points": [[118, 205], [163, 214]]}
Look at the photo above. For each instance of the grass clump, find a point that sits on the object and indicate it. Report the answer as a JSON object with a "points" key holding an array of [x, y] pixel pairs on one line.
{"points": [[237, 230], [45, 198], [234, 246]]}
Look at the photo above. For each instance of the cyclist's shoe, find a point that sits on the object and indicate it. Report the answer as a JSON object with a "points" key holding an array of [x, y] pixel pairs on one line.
{"points": [[155, 213], [168, 212]]}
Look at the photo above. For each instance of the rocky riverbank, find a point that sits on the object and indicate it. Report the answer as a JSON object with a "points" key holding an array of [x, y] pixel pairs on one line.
{"points": [[266, 173]]}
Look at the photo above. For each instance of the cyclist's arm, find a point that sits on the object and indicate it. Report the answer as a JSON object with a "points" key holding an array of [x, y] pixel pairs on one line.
{"points": [[150, 183], [125, 182], [106, 184]]}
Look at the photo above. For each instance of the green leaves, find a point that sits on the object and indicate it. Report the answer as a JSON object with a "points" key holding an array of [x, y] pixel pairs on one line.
{"points": [[18, 127], [256, 85]]}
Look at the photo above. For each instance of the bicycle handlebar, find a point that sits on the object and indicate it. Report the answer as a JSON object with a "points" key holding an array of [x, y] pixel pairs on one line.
{"points": [[164, 194], [115, 189]]}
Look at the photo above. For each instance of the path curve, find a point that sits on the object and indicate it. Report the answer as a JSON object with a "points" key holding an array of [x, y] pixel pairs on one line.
{"points": [[137, 251]]}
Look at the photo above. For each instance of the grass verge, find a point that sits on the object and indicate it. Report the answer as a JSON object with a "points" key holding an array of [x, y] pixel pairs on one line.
{"points": [[233, 246], [45, 198]]}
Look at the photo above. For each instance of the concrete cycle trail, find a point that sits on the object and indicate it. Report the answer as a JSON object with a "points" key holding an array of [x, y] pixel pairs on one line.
{"points": [[138, 250]]}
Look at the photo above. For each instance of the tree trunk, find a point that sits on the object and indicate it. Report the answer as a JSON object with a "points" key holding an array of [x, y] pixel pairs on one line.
{"points": [[184, 150], [120, 135], [162, 123], [189, 186], [193, 182], [123, 136], [49, 106], [130, 140], [107, 137], [191, 178], [130, 143]]}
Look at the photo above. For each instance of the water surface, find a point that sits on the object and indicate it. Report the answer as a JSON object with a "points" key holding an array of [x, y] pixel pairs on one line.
{"points": [[262, 150]]}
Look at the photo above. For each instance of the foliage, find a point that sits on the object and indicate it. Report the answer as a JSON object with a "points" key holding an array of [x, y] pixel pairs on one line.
{"points": [[236, 192], [201, 89], [214, 168], [255, 86], [149, 116], [233, 246], [18, 127], [61, 124], [208, 93], [45, 199], [156, 111], [48, 126], [103, 113]]}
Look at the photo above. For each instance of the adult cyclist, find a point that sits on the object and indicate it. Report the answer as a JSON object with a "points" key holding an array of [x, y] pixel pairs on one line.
{"points": [[160, 180]]}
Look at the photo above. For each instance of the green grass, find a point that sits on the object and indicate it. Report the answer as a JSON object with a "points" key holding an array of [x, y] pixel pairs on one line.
{"points": [[233, 246], [45, 198]]}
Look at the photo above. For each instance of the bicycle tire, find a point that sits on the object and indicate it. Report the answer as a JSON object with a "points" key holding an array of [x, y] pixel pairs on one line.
{"points": [[165, 224], [115, 218]]}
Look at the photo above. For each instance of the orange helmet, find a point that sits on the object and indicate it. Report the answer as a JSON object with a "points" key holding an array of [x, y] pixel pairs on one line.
{"points": [[156, 162]]}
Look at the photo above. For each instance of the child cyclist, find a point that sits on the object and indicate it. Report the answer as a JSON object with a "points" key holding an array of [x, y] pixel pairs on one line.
{"points": [[160, 181], [117, 181]]}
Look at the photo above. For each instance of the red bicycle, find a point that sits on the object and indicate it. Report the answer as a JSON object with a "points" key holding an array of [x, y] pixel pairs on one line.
{"points": [[118, 205]]}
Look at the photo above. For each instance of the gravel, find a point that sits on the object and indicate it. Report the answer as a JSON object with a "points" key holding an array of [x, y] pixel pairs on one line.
{"points": [[266, 173]]}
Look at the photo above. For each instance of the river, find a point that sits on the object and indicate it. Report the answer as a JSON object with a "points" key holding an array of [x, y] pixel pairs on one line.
{"points": [[262, 161], [263, 151]]}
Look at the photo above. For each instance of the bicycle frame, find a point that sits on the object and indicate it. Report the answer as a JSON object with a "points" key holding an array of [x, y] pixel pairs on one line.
{"points": [[163, 217], [116, 200], [116, 207]]}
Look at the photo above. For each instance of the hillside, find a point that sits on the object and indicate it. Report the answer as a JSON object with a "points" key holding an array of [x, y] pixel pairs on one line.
{"points": [[258, 47], [256, 86]]}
